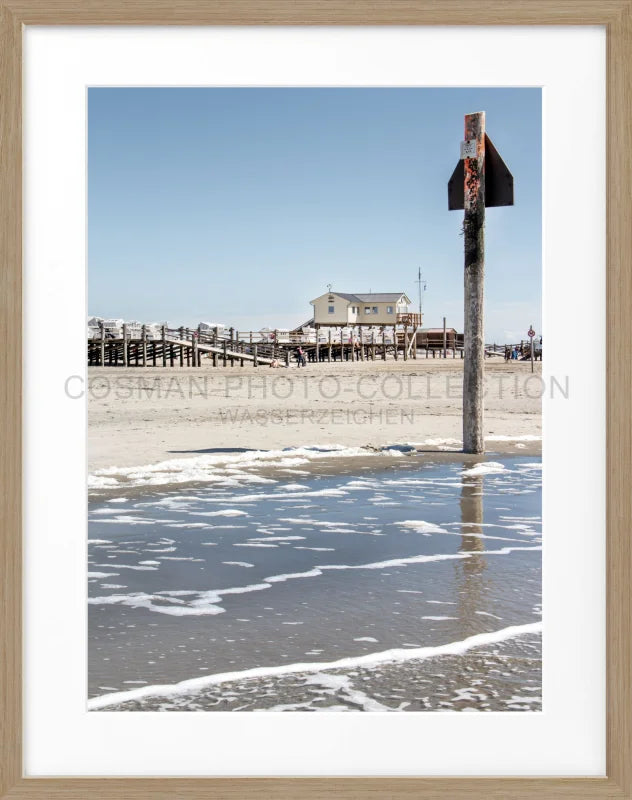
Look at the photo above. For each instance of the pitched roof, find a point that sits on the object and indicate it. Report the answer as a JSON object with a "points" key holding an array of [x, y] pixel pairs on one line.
{"points": [[388, 297]]}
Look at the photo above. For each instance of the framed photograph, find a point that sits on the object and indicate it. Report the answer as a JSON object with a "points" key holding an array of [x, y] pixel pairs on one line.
{"points": [[316, 399]]}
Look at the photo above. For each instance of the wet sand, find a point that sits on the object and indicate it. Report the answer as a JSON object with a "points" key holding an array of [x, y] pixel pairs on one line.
{"points": [[502, 677], [350, 559], [192, 571]]}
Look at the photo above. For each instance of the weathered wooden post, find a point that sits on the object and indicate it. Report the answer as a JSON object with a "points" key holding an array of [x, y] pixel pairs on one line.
{"points": [[384, 343], [144, 345], [481, 180], [329, 350], [317, 343], [395, 342], [445, 340], [125, 353], [238, 348], [181, 331], [194, 349], [254, 354], [102, 327], [474, 263], [164, 346]]}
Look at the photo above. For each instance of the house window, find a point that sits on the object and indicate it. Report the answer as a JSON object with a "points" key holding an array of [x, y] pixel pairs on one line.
{"points": [[375, 309], [367, 309], [389, 309], [330, 309], [354, 309]]}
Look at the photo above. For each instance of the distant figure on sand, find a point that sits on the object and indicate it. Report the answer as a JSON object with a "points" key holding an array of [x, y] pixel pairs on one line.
{"points": [[300, 355]]}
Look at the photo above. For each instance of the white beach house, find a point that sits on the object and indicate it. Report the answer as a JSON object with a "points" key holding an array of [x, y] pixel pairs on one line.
{"points": [[340, 308]]}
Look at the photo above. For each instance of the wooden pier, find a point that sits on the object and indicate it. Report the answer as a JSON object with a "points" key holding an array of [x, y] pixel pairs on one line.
{"points": [[183, 347]]}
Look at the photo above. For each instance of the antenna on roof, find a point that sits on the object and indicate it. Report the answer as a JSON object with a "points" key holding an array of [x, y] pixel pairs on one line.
{"points": [[422, 288], [329, 288]]}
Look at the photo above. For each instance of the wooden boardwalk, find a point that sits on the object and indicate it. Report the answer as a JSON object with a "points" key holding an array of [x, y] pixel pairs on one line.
{"points": [[185, 347]]}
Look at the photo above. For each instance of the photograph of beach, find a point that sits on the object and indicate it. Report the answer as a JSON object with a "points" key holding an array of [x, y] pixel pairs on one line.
{"points": [[287, 507]]}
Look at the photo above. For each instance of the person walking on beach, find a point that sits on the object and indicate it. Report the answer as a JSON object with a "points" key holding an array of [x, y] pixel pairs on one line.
{"points": [[300, 355]]}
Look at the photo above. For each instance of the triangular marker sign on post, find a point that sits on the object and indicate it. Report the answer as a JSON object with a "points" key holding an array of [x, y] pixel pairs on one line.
{"points": [[498, 181]]}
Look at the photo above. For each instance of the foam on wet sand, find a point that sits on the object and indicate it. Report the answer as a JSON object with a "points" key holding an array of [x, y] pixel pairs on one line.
{"points": [[373, 659]]}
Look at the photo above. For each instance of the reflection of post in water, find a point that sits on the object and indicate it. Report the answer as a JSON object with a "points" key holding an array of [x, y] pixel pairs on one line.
{"points": [[472, 515], [471, 586]]}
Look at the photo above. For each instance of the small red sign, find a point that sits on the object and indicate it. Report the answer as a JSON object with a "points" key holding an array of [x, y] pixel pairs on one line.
{"points": [[531, 333]]}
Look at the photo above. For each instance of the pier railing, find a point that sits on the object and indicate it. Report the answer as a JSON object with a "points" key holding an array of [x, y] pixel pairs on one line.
{"points": [[146, 345], [409, 319]]}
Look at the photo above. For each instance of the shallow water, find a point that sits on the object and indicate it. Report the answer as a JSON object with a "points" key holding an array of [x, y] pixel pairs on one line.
{"points": [[314, 567]]}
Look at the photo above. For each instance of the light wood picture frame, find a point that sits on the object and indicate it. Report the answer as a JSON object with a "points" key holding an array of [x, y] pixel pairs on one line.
{"points": [[616, 17]]}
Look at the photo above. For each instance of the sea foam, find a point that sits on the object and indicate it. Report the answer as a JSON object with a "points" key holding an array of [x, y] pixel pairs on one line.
{"points": [[369, 660]]}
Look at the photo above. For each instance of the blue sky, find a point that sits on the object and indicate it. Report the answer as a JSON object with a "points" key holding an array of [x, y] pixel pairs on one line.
{"points": [[241, 205]]}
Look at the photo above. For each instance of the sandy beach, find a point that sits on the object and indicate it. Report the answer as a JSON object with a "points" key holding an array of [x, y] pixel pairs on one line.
{"points": [[142, 416]]}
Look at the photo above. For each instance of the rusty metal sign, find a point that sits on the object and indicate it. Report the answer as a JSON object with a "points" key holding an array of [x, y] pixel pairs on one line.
{"points": [[499, 189]]}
